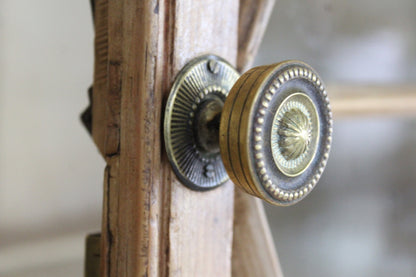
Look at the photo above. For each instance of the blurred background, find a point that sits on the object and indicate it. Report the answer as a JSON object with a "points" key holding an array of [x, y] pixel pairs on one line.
{"points": [[359, 221]]}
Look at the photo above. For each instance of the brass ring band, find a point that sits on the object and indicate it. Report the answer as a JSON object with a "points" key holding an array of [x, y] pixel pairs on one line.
{"points": [[246, 124]]}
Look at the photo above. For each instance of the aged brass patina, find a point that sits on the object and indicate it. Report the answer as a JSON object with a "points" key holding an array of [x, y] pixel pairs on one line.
{"points": [[192, 119], [269, 129], [295, 135]]}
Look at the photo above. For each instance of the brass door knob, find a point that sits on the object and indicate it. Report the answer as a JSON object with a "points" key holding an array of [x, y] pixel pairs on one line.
{"points": [[269, 129]]}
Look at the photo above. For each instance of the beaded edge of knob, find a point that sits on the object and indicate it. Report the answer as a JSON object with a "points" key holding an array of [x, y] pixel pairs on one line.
{"points": [[257, 180], [297, 70]]}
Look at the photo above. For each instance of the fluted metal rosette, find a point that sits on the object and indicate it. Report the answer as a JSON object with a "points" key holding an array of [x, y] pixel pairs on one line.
{"points": [[192, 117], [294, 134]]}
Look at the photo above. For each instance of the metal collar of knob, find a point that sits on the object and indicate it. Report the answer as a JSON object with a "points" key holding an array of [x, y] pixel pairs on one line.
{"points": [[269, 130]]}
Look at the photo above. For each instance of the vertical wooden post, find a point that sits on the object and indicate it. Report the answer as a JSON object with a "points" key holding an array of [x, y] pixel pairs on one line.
{"points": [[253, 18], [254, 253], [152, 224]]}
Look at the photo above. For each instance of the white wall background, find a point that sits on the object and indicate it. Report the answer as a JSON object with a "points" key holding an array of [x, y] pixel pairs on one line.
{"points": [[361, 219], [50, 171]]}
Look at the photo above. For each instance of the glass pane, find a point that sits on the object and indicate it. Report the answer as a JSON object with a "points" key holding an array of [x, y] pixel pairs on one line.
{"points": [[348, 41], [361, 218]]}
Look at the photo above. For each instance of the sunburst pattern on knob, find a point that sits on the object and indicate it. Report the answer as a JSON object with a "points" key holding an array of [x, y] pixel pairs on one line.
{"points": [[294, 134]]}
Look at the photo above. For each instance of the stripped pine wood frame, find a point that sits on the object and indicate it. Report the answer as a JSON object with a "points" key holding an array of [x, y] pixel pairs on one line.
{"points": [[362, 100], [152, 225]]}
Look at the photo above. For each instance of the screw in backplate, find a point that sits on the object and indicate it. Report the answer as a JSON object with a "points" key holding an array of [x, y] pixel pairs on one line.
{"points": [[213, 66], [209, 171]]}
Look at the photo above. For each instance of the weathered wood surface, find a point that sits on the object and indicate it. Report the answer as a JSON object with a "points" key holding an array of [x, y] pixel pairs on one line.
{"points": [[153, 225], [254, 253], [103, 131], [92, 256], [253, 18]]}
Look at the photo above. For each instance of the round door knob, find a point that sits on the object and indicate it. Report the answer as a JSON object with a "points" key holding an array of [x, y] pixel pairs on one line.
{"points": [[268, 130]]}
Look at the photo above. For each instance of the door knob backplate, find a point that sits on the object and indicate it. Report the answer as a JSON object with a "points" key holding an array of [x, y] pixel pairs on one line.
{"points": [[192, 119]]}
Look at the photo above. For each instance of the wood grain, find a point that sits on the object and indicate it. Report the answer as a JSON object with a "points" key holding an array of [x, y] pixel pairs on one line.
{"points": [[200, 231], [152, 224], [253, 18], [366, 100], [92, 256], [99, 96], [254, 253]]}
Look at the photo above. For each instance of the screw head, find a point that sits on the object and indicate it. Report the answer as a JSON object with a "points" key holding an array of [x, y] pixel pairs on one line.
{"points": [[209, 170], [213, 66]]}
